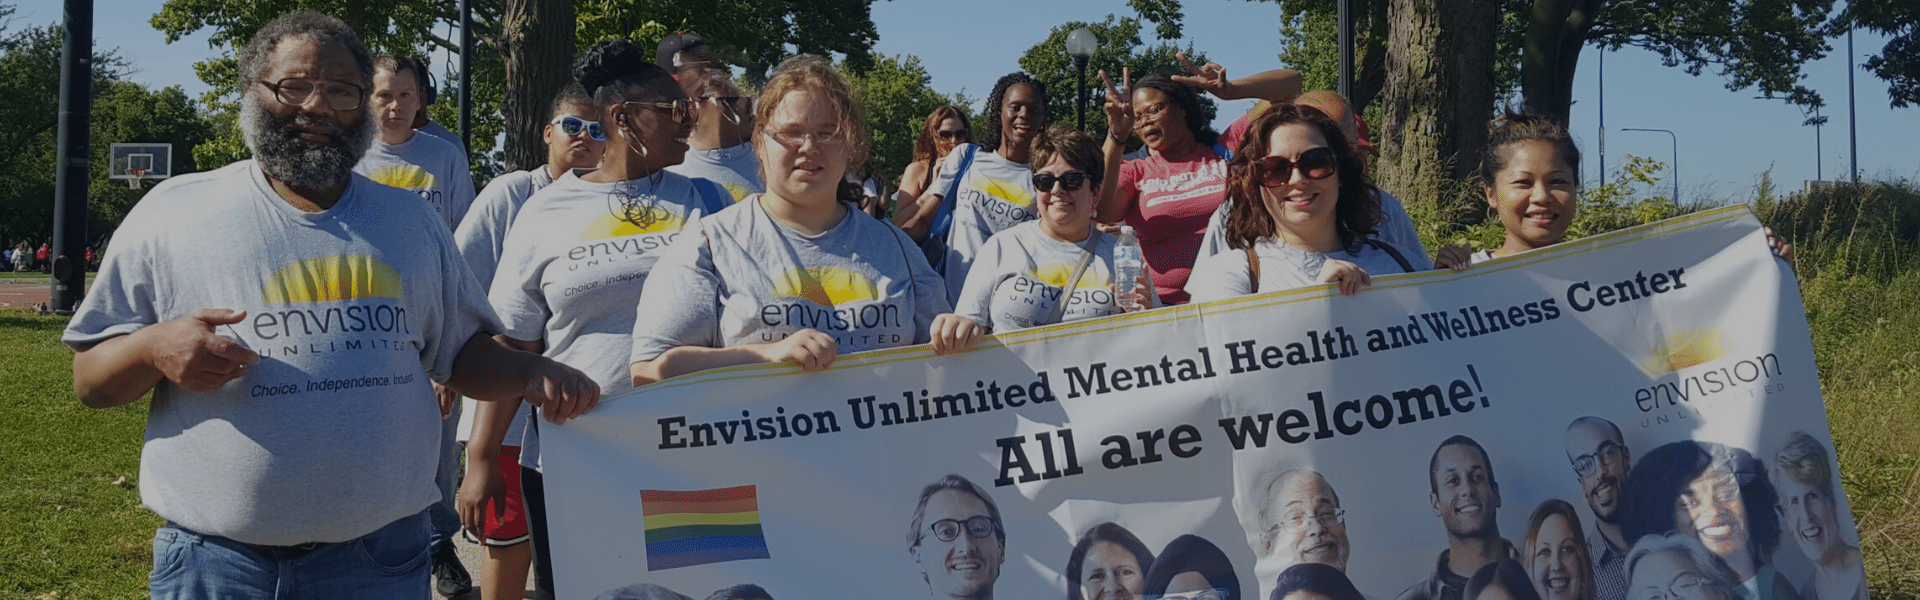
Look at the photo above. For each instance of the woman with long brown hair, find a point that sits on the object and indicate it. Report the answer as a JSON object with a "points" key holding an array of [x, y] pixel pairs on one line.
{"points": [[945, 129]]}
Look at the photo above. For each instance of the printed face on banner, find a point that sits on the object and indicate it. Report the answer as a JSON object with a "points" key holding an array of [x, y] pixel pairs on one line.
{"points": [[1807, 515], [1554, 561], [1303, 523], [1711, 507], [1465, 496], [1600, 459], [1111, 573], [1672, 575], [965, 566]]}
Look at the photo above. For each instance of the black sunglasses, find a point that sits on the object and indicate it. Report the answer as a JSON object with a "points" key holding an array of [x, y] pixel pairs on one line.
{"points": [[1071, 181], [1275, 171], [951, 134]]}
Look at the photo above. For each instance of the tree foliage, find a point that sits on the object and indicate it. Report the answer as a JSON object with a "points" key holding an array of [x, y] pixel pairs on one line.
{"points": [[1120, 47], [1899, 61], [897, 94]]}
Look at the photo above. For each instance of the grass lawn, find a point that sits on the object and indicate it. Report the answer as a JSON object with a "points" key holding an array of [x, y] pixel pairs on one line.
{"points": [[74, 527]]}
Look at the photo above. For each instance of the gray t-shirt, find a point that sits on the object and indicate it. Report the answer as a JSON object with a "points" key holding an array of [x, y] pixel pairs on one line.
{"points": [[1284, 267], [1395, 228], [1016, 280], [481, 238], [434, 129], [739, 277], [431, 167], [734, 168], [575, 263], [334, 433], [995, 194]]}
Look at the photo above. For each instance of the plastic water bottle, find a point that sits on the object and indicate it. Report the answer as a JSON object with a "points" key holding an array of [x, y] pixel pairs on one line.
{"points": [[1128, 263]]}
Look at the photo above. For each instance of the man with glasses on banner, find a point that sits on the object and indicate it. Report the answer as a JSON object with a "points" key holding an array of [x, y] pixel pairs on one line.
{"points": [[958, 539], [1298, 520], [1601, 462], [291, 440]]}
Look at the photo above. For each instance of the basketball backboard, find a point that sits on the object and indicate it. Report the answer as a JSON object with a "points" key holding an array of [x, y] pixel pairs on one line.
{"points": [[137, 161]]}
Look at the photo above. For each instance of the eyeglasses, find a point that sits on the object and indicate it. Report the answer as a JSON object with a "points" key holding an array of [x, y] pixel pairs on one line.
{"points": [[339, 96], [1071, 181], [980, 528], [1150, 111], [1687, 585], [1208, 594], [794, 139], [1611, 453], [1296, 521], [572, 125], [681, 109], [1275, 171], [951, 134]]}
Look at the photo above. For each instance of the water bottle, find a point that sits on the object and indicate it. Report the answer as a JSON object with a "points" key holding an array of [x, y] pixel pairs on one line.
{"points": [[1128, 263]]}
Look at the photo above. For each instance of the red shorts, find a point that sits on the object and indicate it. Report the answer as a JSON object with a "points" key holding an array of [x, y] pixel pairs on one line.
{"points": [[511, 528]]}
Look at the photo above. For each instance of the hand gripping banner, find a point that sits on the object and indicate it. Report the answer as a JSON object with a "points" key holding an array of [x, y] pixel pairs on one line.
{"points": [[1630, 415]]}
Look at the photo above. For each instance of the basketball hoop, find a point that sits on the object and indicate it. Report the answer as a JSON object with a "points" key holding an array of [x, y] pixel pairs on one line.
{"points": [[133, 177]]}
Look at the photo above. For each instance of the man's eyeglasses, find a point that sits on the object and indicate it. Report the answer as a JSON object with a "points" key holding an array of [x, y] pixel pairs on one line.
{"points": [[794, 139], [1071, 181], [979, 528], [1296, 521], [1685, 587], [681, 109], [1208, 594], [338, 96], [1275, 171], [1609, 452], [572, 125]]}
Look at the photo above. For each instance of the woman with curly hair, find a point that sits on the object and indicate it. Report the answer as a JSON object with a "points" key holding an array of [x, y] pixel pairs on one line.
{"points": [[1302, 214], [1719, 495], [945, 129]]}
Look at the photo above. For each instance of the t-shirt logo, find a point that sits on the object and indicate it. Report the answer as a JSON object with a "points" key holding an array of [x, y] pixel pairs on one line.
{"points": [[739, 192], [322, 298], [406, 177], [826, 286], [1057, 274], [1008, 192], [330, 278], [640, 220], [834, 300]]}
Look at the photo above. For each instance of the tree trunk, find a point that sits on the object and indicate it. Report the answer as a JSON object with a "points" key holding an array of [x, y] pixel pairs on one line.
{"points": [[1438, 96], [1370, 53], [1556, 30], [536, 42]]}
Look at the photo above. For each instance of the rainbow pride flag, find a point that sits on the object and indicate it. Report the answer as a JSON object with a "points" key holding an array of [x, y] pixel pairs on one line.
{"points": [[702, 527]]}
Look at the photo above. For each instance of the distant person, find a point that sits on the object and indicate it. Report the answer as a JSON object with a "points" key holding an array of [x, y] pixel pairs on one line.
{"points": [[1168, 195], [314, 466], [1314, 581], [490, 500], [1108, 563], [423, 121], [21, 256], [1809, 506], [1294, 518], [426, 165], [944, 130], [1192, 568], [1602, 463], [1722, 496], [1555, 553], [958, 539], [1674, 566], [685, 56], [991, 191], [6, 259], [1466, 497], [1303, 214], [42, 258], [722, 141], [744, 591], [1503, 580], [1395, 226]]}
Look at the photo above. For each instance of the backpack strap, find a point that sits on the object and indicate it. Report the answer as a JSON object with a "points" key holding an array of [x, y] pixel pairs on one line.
{"points": [[1073, 283], [1253, 271], [1405, 267], [715, 197], [943, 219]]}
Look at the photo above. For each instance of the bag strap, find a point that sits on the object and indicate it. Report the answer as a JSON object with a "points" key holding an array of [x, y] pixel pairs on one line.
{"points": [[1073, 283], [716, 197], [943, 220], [1253, 269], [1405, 267]]}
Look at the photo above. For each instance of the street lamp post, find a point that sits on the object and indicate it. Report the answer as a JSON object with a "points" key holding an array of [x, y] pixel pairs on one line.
{"points": [[1676, 158], [1818, 169], [1081, 45]]}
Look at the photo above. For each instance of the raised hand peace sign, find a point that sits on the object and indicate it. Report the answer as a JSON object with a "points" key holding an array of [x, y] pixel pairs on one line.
{"points": [[1119, 105], [1210, 77]]}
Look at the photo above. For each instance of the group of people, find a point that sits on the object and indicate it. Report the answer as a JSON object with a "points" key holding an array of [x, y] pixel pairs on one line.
{"points": [[678, 225], [23, 258]]}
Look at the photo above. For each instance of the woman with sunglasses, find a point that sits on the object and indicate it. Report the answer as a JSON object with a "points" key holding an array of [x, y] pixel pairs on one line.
{"points": [[945, 129], [722, 146], [1017, 280], [1303, 213], [1169, 195], [793, 275], [585, 246]]}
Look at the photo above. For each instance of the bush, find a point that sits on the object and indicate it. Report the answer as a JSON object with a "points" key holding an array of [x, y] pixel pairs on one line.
{"points": [[1867, 229]]}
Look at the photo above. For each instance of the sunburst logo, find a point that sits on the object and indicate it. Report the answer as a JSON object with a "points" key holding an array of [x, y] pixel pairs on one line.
{"points": [[1057, 275], [739, 192], [1683, 350], [406, 177], [337, 277], [1008, 192], [651, 219], [826, 286]]}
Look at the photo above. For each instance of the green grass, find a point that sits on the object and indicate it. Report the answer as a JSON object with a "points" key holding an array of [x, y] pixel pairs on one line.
{"points": [[73, 525], [24, 275]]}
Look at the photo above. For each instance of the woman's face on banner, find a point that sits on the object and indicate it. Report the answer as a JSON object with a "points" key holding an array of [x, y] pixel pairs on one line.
{"points": [[1554, 561], [1670, 575], [1807, 515], [1711, 508], [1111, 572]]}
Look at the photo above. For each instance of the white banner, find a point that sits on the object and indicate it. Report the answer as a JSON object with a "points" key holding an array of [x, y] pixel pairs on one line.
{"points": [[1625, 374]]}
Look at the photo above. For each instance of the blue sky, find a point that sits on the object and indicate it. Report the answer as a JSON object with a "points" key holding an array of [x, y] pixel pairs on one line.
{"points": [[1726, 138]]}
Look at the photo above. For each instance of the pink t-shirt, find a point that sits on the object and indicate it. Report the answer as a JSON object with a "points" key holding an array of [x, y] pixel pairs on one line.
{"points": [[1169, 202]]}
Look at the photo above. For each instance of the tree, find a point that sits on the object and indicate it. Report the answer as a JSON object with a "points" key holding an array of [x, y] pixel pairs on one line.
{"points": [[1120, 48], [1899, 61], [1438, 93], [897, 94]]}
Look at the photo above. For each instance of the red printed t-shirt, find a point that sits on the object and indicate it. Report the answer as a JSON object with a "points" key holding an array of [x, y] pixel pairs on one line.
{"points": [[1169, 202]]}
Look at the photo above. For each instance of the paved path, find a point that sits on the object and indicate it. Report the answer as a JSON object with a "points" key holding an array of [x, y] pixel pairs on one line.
{"points": [[25, 292]]}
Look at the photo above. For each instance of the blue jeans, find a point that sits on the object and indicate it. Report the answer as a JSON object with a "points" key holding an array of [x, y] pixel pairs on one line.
{"points": [[391, 562]]}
